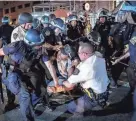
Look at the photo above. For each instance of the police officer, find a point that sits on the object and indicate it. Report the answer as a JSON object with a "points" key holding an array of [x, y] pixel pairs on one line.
{"points": [[59, 28], [5, 35], [119, 35], [49, 35], [36, 24], [52, 17], [103, 28], [45, 21], [25, 22], [26, 74], [5, 30], [74, 30]]}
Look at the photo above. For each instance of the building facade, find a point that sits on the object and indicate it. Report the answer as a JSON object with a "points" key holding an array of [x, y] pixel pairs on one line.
{"points": [[14, 8]]}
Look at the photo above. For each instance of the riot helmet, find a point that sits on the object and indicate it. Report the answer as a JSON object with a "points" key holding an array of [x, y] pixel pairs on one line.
{"points": [[24, 18], [34, 38]]}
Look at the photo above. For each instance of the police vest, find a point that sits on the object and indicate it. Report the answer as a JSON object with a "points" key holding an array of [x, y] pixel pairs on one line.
{"points": [[24, 62]]}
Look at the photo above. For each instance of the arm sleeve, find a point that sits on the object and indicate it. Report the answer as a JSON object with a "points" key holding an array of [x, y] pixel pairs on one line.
{"points": [[10, 48], [86, 73], [15, 36], [45, 58]]}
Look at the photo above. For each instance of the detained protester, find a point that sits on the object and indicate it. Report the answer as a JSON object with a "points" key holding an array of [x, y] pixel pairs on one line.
{"points": [[66, 61]]}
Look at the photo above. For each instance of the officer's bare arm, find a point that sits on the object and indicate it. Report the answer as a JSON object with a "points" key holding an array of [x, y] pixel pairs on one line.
{"points": [[2, 52], [52, 72]]}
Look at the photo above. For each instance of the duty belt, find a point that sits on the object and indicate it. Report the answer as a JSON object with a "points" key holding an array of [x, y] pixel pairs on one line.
{"points": [[100, 98]]}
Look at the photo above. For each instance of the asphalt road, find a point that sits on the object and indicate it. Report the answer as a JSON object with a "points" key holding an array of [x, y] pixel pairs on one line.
{"points": [[119, 109]]}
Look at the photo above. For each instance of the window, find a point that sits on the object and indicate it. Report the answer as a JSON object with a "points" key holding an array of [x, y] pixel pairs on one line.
{"points": [[39, 9], [13, 20], [13, 9], [20, 6], [6, 11], [6, 3], [27, 5], [36, 2]]}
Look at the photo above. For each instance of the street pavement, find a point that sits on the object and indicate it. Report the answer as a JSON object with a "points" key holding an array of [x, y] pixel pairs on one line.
{"points": [[119, 109]]}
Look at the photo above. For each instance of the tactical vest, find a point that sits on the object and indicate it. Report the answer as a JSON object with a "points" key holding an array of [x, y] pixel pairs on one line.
{"points": [[24, 62]]}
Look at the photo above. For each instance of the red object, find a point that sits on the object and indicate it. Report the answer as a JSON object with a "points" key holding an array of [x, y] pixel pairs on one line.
{"points": [[61, 13]]}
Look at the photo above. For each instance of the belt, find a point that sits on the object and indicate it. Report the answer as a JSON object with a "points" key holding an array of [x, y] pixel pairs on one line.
{"points": [[91, 93], [100, 98]]}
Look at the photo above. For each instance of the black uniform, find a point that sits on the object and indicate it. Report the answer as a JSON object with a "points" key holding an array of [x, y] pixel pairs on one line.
{"points": [[104, 29], [5, 35], [121, 34], [74, 32]]}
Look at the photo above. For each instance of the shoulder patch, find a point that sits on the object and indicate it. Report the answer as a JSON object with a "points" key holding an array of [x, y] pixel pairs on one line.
{"points": [[133, 40], [47, 33], [15, 35]]}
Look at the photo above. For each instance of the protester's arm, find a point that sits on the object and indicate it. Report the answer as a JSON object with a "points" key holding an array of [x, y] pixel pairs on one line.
{"points": [[52, 72]]}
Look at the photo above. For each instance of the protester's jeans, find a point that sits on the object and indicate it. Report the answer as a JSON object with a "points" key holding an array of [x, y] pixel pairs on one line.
{"points": [[60, 81]]}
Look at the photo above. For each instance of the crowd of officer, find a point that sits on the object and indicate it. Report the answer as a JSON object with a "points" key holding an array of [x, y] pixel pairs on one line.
{"points": [[44, 56]]}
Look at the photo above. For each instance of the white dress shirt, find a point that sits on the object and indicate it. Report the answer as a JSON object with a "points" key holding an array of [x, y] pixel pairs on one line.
{"points": [[92, 74]]}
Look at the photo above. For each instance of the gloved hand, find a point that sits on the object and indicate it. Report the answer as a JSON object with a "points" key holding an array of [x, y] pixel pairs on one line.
{"points": [[115, 62]]}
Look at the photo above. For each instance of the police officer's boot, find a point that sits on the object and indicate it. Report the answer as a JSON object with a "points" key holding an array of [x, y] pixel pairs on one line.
{"points": [[10, 105]]}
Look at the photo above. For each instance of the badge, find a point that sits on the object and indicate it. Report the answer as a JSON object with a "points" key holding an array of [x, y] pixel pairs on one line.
{"points": [[133, 40], [15, 35], [47, 33], [76, 71]]}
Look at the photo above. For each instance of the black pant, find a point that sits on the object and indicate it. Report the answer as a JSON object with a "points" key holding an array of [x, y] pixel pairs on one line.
{"points": [[117, 69], [131, 73], [11, 96], [35, 80]]}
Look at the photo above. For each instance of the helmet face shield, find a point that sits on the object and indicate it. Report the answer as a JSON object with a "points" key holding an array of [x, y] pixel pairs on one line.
{"points": [[121, 16], [5, 20], [34, 38], [58, 24]]}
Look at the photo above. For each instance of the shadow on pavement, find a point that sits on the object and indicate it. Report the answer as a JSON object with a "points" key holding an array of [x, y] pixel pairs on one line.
{"points": [[124, 106]]}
